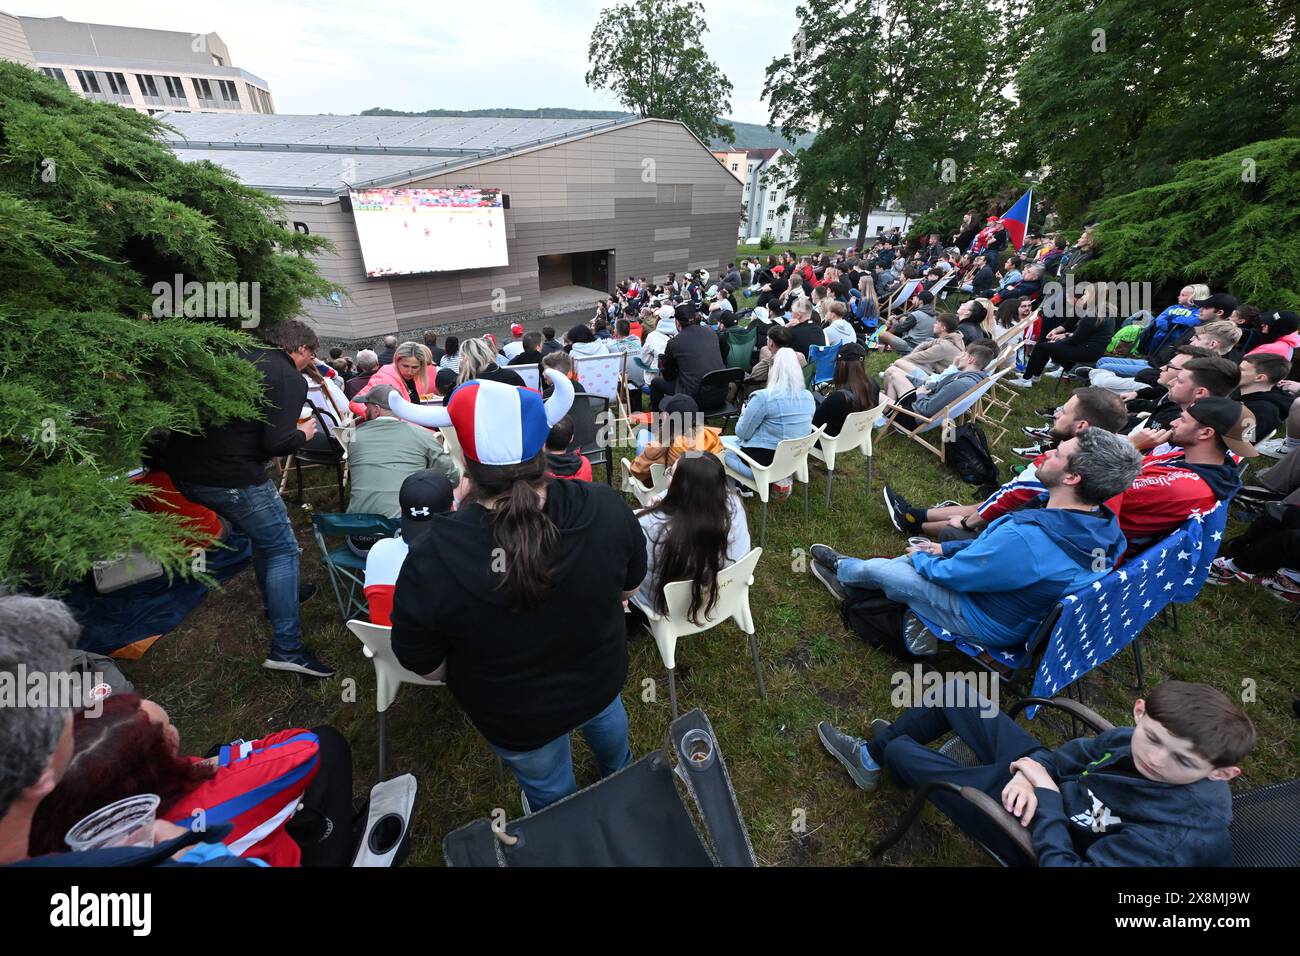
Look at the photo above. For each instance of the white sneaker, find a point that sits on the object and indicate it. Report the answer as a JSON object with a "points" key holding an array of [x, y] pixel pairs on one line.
{"points": [[1020, 382], [1273, 448]]}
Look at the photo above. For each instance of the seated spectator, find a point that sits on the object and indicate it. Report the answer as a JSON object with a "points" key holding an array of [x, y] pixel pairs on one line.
{"points": [[998, 588], [679, 428], [516, 344], [1198, 378], [838, 331], [1152, 795], [384, 451], [1152, 400], [1081, 339], [1011, 275], [975, 319], [803, 327], [424, 496], [778, 337], [574, 552], [933, 397], [410, 373], [1267, 554], [530, 351], [478, 361], [1086, 408], [1278, 334], [1030, 287], [367, 365], [624, 341], [657, 341], [435, 351], [688, 356], [1260, 374], [932, 358], [580, 341], [289, 794], [1212, 338], [692, 533], [784, 409], [915, 328], [549, 344], [983, 281], [450, 354], [852, 391], [563, 457]]}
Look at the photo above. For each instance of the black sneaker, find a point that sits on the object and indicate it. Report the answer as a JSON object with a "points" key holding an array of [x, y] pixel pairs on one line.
{"points": [[302, 661], [827, 577], [1046, 412], [1029, 452], [826, 555], [1038, 434], [848, 751], [1258, 493], [899, 511]]}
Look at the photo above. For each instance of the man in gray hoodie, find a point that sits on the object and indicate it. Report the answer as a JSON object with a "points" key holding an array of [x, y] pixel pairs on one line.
{"points": [[928, 400], [914, 328]]}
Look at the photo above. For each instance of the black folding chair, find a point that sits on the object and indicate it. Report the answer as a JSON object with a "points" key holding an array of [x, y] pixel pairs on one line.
{"points": [[716, 398], [635, 817], [588, 413]]}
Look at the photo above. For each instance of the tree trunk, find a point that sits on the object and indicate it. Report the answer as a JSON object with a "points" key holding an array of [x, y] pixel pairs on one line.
{"points": [[826, 229], [867, 191]]}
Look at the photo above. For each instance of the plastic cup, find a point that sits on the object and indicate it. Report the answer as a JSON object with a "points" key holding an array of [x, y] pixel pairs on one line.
{"points": [[918, 542], [127, 822], [305, 414]]}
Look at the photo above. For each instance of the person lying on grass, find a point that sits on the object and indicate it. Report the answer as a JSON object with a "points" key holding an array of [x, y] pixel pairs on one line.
{"points": [[1155, 794]]}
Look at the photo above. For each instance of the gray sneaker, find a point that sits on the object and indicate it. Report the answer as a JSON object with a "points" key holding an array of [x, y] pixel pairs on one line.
{"points": [[848, 751], [825, 554], [827, 577]]}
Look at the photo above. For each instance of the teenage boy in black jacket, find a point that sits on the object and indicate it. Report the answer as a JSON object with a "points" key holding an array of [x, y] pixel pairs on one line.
{"points": [[1151, 795], [224, 468]]}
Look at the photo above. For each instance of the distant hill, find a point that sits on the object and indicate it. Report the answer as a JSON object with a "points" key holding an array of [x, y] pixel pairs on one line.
{"points": [[748, 135]]}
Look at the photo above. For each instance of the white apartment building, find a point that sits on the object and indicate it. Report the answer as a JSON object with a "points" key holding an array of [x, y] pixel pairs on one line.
{"points": [[763, 201], [147, 70]]}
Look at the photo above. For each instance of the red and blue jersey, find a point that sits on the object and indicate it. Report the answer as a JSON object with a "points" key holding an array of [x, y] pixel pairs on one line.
{"points": [[257, 787]]}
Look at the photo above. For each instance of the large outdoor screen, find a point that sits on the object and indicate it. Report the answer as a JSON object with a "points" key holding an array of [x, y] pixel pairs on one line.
{"points": [[406, 231]]}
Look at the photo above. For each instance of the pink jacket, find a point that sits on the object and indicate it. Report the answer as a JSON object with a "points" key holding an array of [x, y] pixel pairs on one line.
{"points": [[1284, 346], [388, 375]]}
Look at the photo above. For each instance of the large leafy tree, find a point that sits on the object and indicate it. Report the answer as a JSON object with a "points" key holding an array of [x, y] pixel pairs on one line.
{"points": [[93, 212], [891, 88], [1114, 94], [1229, 221], [651, 56]]}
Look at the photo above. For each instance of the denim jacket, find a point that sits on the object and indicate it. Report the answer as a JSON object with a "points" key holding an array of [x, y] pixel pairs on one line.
{"points": [[769, 419]]}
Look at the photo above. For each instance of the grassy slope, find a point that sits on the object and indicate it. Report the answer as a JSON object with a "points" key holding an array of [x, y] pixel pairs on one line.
{"points": [[207, 675]]}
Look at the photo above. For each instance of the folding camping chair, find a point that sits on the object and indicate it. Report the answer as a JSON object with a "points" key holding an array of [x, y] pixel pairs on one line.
{"points": [[590, 413], [742, 343], [377, 644], [330, 452], [714, 397], [531, 374], [347, 569], [857, 432], [790, 459], [822, 360], [635, 817], [733, 584]]}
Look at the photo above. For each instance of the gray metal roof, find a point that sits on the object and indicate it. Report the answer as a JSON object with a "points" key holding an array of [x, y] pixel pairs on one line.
{"points": [[317, 155]]}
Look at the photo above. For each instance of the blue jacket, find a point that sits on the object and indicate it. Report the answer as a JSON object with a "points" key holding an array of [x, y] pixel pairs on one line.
{"points": [[1108, 814], [768, 419], [1173, 324], [1009, 578]]}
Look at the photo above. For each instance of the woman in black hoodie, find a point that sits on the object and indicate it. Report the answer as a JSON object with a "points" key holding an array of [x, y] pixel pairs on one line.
{"points": [[521, 592]]}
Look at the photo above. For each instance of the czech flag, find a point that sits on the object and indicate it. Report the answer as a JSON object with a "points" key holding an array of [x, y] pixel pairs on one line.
{"points": [[1016, 219]]}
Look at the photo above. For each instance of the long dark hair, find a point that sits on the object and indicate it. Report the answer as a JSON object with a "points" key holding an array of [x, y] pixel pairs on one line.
{"points": [[692, 544], [119, 754], [520, 527], [851, 376]]}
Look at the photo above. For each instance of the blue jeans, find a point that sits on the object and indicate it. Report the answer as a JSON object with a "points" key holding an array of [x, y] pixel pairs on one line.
{"points": [[546, 774], [258, 512], [900, 582], [1124, 367]]}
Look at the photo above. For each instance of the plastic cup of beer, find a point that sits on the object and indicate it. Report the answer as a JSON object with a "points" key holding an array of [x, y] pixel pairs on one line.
{"points": [[305, 414], [127, 822]]}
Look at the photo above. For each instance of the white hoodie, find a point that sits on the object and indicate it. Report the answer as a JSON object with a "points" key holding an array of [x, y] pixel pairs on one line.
{"points": [[657, 341]]}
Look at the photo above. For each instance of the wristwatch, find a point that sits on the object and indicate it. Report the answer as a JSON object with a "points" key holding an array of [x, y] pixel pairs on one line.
{"points": [[964, 526]]}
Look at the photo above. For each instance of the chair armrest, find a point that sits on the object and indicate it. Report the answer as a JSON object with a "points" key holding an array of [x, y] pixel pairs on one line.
{"points": [[747, 460], [1000, 818], [1086, 715], [645, 609]]}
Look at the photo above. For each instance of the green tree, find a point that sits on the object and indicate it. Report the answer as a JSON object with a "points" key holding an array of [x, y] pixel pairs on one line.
{"points": [[93, 212], [1230, 221], [649, 54], [1114, 94], [892, 88]]}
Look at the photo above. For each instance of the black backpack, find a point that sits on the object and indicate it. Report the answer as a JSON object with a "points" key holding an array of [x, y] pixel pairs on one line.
{"points": [[881, 623], [968, 454]]}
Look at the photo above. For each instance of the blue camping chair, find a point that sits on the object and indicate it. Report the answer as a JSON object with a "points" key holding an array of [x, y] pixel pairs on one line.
{"points": [[822, 358], [347, 569]]}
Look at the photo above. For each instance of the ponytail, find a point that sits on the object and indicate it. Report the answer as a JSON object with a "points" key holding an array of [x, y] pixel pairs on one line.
{"points": [[522, 532]]}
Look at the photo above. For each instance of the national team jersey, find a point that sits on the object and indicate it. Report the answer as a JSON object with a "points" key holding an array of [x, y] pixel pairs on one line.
{"points": [[1162, 496], [1016, 493], [383, 564], [257, 788]]}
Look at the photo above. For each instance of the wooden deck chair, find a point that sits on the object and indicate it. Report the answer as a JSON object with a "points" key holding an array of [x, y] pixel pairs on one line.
{"points": [[953, 411]]}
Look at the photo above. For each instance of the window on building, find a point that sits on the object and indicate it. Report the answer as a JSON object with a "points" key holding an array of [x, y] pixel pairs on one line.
{"points": [[54, 73], [117, 83], [202, 88], [771, 197], [735, 167], [174, 87], [229, 92], [770, 215], [148, 86], [88, 82]]}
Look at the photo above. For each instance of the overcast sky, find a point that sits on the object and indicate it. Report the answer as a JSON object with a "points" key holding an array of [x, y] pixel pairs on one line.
{"points": [[342, 56]]}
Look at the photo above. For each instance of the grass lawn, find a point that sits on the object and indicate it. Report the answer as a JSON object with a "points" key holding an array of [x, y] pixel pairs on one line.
{"points": [[208, 675], [749, 250]]}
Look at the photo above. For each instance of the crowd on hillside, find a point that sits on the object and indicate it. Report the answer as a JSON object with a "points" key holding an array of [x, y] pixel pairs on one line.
{"points": [[520, 580]]}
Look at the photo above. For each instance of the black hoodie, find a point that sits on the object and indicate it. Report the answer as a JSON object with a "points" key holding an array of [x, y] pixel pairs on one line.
{"points": [[524, 678]]}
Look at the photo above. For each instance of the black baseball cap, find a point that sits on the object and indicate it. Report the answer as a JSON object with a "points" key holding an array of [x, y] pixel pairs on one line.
{"points": [[851, 352], [1233, 422], [1220, 300], [1286, 321], [424, 495]]}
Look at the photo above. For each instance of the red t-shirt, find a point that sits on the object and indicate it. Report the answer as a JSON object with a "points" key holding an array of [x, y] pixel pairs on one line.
{"points": [[170, 501]]}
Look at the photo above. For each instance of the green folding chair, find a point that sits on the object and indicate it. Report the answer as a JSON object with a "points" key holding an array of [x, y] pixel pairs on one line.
{"points": [[740, 348], [347, 569]]}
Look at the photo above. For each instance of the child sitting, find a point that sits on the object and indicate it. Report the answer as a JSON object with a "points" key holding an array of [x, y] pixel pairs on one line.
{"points": [[680, 428], [563, 459], [1151, 795]]}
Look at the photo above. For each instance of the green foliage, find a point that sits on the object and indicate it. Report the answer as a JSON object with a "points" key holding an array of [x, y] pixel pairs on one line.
{"points": [[766, 241], [990, 191], [649, 54], [94, 211], [1231, 222]]}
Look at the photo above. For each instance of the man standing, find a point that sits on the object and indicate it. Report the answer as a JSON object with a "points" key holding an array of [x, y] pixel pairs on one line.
{"points": [[224, 468]]}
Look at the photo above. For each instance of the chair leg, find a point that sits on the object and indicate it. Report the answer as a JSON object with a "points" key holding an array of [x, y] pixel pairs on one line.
{"points": [[383, 747], [297, 470], [1138, 668], [758, 667], [904, 824], [672, 691], [340, 476], [829, 475], [501, 771], [869, 475], [762, 535], [805, 497]]}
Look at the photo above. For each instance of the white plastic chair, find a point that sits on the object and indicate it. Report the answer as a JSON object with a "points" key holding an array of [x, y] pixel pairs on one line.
{"points": [[453, 447], [658, 482], [790, 459], [531, 374], [855, 433], [376, 641], [734, 582]]}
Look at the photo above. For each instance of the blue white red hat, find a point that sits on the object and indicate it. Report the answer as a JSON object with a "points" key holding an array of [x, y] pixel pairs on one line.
{"points": [[496, 424]]}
